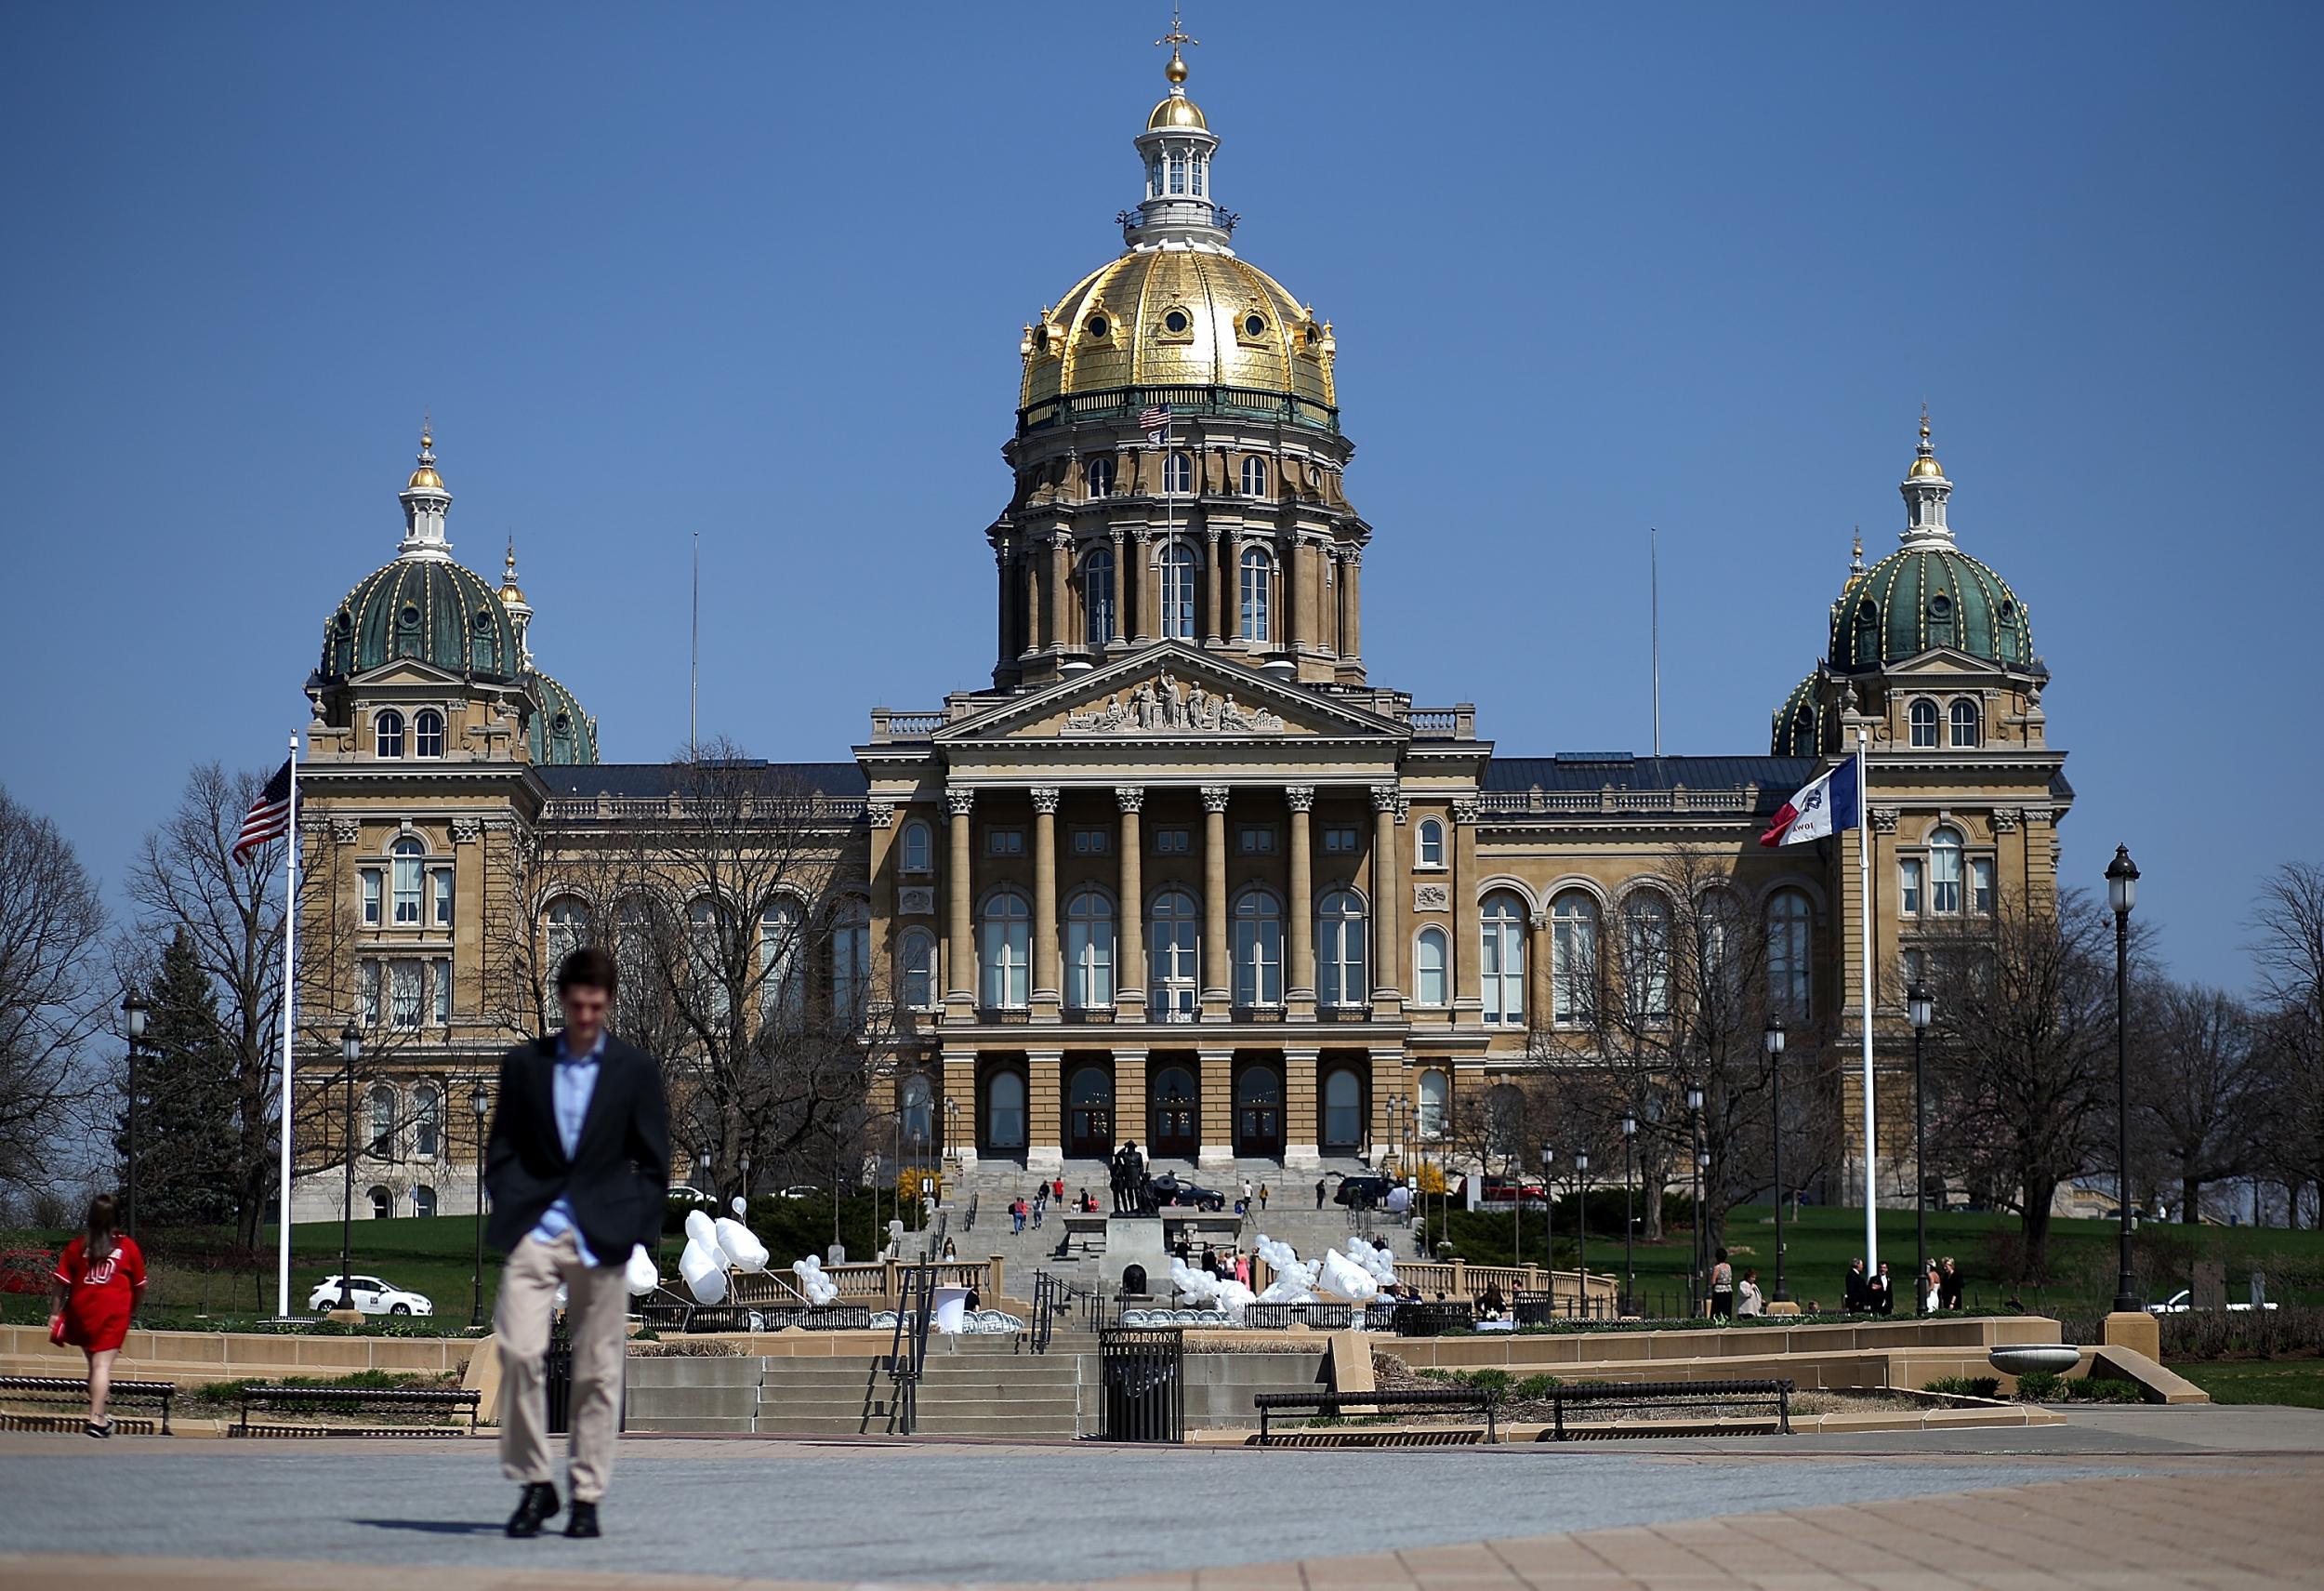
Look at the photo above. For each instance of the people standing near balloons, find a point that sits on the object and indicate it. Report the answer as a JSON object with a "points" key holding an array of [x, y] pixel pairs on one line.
{"points": [[97, 1285], [577, 1164]]}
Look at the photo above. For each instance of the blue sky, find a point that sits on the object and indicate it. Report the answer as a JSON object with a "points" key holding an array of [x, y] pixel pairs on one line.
{"points": [[759, 273]]}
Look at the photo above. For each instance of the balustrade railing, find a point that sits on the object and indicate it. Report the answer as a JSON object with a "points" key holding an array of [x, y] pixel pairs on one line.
{"points": [[1740, 798], [1182, 401]]}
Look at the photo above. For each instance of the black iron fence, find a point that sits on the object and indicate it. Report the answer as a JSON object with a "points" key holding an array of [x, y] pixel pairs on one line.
{"points": [[1144, 1383]]}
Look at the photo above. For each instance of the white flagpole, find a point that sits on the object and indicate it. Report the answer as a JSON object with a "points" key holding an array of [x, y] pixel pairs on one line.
{"points": [[290, 997], [1863, 900]]}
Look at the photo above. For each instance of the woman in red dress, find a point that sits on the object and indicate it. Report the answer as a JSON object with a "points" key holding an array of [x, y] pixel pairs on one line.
{"points": [[98, 1282]]}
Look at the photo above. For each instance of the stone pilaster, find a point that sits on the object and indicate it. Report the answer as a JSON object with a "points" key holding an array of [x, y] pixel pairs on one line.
{"points": [[1462, 931], [1387, 882], [1129, 1098], [1046, 987], [960, 903], [1298, 977], [963, 1107], [1217, 962], [1217, 1108], [1302, 1126], [1129, 968], [1044, 1121]]}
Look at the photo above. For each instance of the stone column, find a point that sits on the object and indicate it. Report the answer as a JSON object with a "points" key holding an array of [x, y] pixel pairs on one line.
{"points": [[959, 900], [1044, 1121], [1387, 880], [1130, 967], [1060, 584], [960, 1091], [1352, 581], [1217, 969], [1303, 1123], [1339, 603], [1538, 971], [1386, 1082], [1216, 629], [1468, 982], [1129, 1099], [1121, 590], [1048, 989], [1000, 558], [1149, 620], [1298, 977], [1217, 1108]]}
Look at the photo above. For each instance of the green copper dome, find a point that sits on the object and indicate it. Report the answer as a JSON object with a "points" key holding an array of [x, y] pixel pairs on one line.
{"points": [[561, 731], [428, 608], [1925, 597], [1797, 728]]}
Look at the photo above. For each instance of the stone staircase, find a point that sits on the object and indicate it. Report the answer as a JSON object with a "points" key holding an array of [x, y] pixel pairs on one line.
{"points": [[971, 1387]]}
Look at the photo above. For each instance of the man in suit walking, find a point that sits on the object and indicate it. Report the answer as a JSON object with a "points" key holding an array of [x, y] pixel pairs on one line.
{"points": [[578, 1165]]}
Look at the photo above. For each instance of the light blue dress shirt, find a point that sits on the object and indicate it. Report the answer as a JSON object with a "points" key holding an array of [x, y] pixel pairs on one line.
{"points": [[575, 1081]]}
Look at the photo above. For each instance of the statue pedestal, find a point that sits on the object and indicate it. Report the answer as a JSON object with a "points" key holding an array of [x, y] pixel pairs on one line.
{"points": [[1134, 1239]]}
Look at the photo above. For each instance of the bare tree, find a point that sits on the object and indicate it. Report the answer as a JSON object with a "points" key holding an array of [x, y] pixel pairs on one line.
{"points": [[2021, 1058], [185, 876], [54, 996], [2288, 953], [2197, 1090]]}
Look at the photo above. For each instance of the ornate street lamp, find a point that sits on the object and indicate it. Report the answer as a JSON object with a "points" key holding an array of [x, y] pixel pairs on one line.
{"points": [[1630, 1219], [350, 1051], [1581, 1175], [1702, 1160], [480, 1102], [1918, 1009], [1549, 1222], [134, 1011], [1774, 1037], [2123, 895]]}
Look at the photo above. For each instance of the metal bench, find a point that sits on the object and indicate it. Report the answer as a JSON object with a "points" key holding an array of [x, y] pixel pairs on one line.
{"points": [[356, 1400], [1479, 1399], [1660, 1395], [68, 1388]]}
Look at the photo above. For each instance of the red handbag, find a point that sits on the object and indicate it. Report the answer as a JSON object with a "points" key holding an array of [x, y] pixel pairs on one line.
{"points": [[56, 1328]]}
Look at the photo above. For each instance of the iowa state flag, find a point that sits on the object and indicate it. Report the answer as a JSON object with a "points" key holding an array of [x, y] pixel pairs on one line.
{"points": [[1825, 807]]}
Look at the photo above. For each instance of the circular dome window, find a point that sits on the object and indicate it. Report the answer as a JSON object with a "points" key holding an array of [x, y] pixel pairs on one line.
{"points": [[1940, 606], [2009, 610], [1313, 337], [1040, 340], [347, 621], [563, 725], [1254, 325], [409, 615], [1176, 322], [1098, 326]]}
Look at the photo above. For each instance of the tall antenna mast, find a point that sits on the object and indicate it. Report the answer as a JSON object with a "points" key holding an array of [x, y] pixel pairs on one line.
{"points": [[1654, 624], [694, 662]]}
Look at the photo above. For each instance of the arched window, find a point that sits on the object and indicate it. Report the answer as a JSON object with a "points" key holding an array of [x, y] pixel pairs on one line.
{"points": [[1718, 944], [1258, 949], [1646, 957], [1434, 1094], [428, 733], [634, 1000], [1004, 952], [1099, 475], [426, 1121], [1428, 957], [851, 962], [1254, 477], [1945, 872], [1924, 724], [1178, 172], [1178, 475], [705, 960], [1177, 562], [382, 1203], [409, 878], [387, 734], [782, 967], [1339, 963], [1965, 722], [565, 928], [1174, 945], [1097, 596], [1788, 972], [1343, 1109], [1258, 574], [1090, 951], [916, 1110], [1004, 1111], [1202, 173], [917, 853], [1153, 178], [423, 1201], [916, 969], [1573, 958], [1429, 850], [381, 1102], [405, 994], [1502, 958]]}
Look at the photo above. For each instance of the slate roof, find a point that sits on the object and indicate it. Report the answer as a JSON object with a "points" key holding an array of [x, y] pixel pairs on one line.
{"points": [[649, 779], [1776, 776]]}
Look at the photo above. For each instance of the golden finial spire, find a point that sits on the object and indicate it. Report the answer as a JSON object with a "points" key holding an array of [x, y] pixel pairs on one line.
{"points": [[1924, 464], [1856, 559], [509, 565], [1924, 422], [427, 432], [1175, 38]]}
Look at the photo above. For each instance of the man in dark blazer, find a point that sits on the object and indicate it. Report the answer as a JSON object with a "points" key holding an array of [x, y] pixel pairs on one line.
{"points": [[578, 1165]]}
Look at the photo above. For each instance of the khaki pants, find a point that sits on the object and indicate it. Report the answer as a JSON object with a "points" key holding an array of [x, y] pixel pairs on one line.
{"points": [[596, 1300]]}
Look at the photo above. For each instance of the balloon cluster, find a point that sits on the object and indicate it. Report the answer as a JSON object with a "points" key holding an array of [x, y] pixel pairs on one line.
{"points": [[817, 1287], [1294, 1278], [1217, 1291], [712, 1247]]}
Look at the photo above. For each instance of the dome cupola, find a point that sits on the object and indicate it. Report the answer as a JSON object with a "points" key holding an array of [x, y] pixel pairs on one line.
{"points": [[425, 505]]}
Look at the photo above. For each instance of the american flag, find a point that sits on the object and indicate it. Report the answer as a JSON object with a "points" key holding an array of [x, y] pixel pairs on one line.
{"points": [[1155, 421], [270, 816]]}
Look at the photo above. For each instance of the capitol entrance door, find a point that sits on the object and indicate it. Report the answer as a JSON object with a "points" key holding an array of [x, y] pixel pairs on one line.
{"points": [[1174, 1114], [1089, 1113]]}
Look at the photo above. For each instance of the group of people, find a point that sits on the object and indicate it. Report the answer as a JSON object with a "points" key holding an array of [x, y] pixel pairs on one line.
{"points": [[1874, 1292], [1249, 1202], [1023, 1211], [1233, 1263], [1730, 1295]]}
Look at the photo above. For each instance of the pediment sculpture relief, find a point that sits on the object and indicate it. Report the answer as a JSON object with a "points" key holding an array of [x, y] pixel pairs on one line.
{"points": [[1164, 706]]}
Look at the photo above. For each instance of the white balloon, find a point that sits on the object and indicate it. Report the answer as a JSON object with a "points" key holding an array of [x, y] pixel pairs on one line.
{"points": [[699, 1229], [644, 1275], [743, 1250], [740, 1205], [1349, 1279], [705, 1270]]}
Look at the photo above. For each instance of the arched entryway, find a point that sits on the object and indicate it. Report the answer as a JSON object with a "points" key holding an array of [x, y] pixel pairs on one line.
{"points": [[1174, 1115], [1089, 1112], [1001, 1124], [1259, 1112], [1343, 1110]]}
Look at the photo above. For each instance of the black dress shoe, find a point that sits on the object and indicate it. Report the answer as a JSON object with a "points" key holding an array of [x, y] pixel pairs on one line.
{"points": [[537, 1504], [582, 1520]]}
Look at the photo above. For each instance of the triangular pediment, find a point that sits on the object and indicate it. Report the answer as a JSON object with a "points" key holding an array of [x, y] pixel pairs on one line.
{"points": [[407, 671], [1947, 660], [1171, 692]]}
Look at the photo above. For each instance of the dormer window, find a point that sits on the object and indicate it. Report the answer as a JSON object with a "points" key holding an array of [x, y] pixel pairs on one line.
{"points": [[1924, 724], [428, 733], [1097, 327], [387, 734], [1177, 323], [1254, 325], [1967, 725]]}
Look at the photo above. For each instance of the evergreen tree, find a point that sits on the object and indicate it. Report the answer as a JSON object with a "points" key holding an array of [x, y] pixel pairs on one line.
{"points": [[187, 1136]]}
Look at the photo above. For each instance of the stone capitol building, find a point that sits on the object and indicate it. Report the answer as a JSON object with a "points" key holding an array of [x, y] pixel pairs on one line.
{"points": [[1180, 871]]}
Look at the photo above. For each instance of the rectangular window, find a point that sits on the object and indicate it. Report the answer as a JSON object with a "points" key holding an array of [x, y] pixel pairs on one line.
{"points": [[371, 897], [406, 892], [1981, 885], [403, 993], [440, 975], [1256, 841], [1173, 842], [441, 879], [368, 991], [1004, 843], [1909, 886], [1092, 842], [1339, 842]]}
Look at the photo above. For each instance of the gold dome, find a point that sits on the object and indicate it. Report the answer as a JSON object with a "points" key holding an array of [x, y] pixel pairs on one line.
{"points": [[1925, 466], [1927, 469], [1177, 111], [425, 477], [1158, 317]]}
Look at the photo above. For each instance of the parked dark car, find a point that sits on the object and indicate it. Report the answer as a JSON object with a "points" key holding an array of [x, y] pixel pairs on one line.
{"points": [[1171, 1192], [1366, 1192]]}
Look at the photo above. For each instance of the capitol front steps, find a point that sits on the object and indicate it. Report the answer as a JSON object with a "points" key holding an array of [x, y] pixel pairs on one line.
{"points": [[971, 1387]]}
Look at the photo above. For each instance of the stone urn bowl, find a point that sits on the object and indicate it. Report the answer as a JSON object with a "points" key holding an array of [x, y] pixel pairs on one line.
{"points": [[2027, 1359]]}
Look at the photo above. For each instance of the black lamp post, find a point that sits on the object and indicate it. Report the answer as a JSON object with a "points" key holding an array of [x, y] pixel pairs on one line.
{"points": [[350, 1051], [134, 1011], [1581, 1227], [745, 1189], [1702, 1175], [1702, 1159], [2123, 895], [1549, 1222], [1918, 1008], [1629, 1218], [1775, 1038], [481, 1103]]}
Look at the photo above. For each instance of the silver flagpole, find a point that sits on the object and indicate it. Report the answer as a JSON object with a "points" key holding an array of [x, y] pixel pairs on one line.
{"points": [[290, 997], [1863, 900]]}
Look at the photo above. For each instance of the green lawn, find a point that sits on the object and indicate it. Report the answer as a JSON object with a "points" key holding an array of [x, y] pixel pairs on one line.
{"points": [[2296, 1381]]}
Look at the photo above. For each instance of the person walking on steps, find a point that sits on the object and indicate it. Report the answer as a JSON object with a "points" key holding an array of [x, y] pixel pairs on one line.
{"points": [[96, 1286], [578, 1165], [1319, 1193]]}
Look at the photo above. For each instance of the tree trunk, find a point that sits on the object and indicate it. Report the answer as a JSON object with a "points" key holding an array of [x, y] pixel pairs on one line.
{"points": [[2035, 1225], [2190, 1195]]}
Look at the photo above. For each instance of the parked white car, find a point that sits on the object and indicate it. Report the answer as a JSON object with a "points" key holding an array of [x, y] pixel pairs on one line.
{"points": [[2182, 1301], [372, 1296]]}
